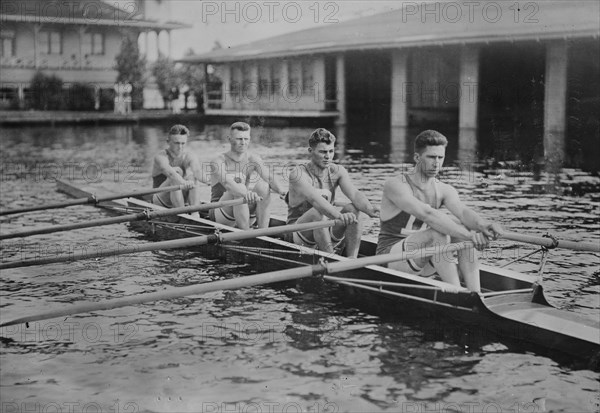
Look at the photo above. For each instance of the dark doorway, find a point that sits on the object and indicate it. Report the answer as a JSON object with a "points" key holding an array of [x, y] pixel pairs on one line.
{"points": [[511, 102], [583, 105], [368, 97]]}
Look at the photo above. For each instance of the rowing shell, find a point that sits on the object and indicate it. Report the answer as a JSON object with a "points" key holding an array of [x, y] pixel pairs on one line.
{"points": [[511, 304]]}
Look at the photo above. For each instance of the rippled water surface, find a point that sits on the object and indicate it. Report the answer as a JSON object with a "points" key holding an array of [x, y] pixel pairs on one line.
{"points": [[294, 347]]}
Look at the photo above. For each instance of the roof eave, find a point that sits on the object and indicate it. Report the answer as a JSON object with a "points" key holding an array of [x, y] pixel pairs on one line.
{"points": [[594, 33], [132, 23]]}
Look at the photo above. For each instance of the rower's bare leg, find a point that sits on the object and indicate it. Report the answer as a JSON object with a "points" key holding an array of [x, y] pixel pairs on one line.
{"points": [[176, 197], [468, 265], [352, 232], [242, 215], [321, 236], [263, 207], [444, 262], [428, 238]]}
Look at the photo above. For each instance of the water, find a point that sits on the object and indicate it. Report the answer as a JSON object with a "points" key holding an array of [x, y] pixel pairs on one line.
{"points": [[283, 348]]}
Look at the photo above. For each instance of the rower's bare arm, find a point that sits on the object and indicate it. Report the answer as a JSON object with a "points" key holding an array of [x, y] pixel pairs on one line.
{"points": [[303, 186], [268, 175], [400, 194], [469, 218], [219, 175], [168, 170], [358, 199], [198, 174]]}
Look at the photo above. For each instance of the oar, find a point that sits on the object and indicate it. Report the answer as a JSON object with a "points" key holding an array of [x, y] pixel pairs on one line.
{"points": [[178, 243], [246, 281], [92, 200], [141, 216], [553, 242], [548, 242]]}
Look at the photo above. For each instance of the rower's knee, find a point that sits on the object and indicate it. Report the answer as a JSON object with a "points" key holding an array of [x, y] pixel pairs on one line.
{"points": [[263, 190]]}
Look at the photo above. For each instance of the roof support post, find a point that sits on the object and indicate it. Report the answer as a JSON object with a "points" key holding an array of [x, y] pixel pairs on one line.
{"points": [[468, 102], [399, 115], [555, 99], [341, 89]]}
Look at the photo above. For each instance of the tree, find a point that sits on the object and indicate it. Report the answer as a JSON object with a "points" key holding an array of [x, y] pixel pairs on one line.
{"points": [[166, 76], [131, 68], [47, 92]]}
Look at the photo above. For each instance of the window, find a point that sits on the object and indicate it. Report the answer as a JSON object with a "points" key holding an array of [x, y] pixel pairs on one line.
{"points": [[235, 78], [275, 78], [295, 78], [307, 76], [51, 42], [93, 43], [7, 47], [264, 78], [7, 43]]}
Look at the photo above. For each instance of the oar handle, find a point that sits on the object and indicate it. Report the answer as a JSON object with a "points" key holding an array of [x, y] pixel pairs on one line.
{"points": [[551, 242]]}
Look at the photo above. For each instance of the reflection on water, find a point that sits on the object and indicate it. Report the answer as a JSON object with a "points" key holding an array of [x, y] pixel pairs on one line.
{"points": [[295, 347]]}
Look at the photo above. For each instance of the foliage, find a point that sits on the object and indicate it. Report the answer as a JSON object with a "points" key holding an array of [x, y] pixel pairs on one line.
{"points": [[131, 67], [167, 77], [81, 97], [46, 92]]}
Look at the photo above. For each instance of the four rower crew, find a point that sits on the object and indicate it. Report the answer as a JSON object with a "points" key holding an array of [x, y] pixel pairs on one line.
{"points": [[410, 209], [412, 201], [232, 174], [312, 194], [177, 166]]}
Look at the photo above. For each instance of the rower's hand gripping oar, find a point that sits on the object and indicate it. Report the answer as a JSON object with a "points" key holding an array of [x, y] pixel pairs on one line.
{"points": [[141, 216], [546, 241], [178, 243], [246, 281], [93, 200]]}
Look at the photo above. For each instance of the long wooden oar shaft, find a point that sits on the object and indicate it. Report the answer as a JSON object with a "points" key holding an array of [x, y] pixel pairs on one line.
{"points": [[247, 281], [146, 215], [553, 242], [92, 200], [276, 276], [178, 243]]}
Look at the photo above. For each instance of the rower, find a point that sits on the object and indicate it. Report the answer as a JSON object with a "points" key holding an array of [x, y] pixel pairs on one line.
{"points": [[412, 202], [231, 176], [175, 165], [311, 196]]}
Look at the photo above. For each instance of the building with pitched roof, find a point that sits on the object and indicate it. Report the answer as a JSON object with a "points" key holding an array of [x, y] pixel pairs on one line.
{"points": [[77, 41], [490, 69]]}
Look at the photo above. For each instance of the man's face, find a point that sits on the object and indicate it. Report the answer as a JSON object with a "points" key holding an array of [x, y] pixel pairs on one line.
{"points": [[239, 140], [322, 154], [177, 143], [430, 161]]}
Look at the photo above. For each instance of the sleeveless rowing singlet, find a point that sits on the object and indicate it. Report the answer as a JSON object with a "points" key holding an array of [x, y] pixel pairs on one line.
{"points": [[217, 190], [325, 186], [182, 162], [391, 230]]}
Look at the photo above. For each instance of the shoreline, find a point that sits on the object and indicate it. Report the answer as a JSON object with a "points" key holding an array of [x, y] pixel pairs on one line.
{"points": [[17, 118]]}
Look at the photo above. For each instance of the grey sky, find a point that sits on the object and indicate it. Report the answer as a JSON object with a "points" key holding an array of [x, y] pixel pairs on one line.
{"points": [[237, 22]]}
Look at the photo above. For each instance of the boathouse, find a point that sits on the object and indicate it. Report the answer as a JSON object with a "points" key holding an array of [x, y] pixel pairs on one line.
{"points": [[495, 72], [78, 42]]}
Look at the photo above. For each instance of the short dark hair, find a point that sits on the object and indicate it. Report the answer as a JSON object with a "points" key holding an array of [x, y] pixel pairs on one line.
{"points": [[179, 130], [321, 135], [241, 126], [429, 138]]}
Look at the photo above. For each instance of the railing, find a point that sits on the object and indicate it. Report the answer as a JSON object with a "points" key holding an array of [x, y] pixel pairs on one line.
{"points": [[71, 64], [215, 99]]}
